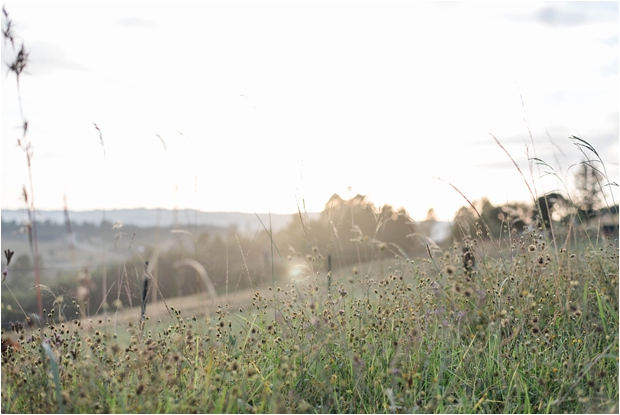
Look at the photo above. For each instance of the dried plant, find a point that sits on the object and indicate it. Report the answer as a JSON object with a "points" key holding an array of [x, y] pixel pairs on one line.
{"points": [[18, 66]]}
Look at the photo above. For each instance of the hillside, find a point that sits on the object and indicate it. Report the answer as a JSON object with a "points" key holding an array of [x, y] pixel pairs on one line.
{"points": [[244, 222]]}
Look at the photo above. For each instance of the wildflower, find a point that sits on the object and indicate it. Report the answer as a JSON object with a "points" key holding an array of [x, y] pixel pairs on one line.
{"points": [[469, 262]]}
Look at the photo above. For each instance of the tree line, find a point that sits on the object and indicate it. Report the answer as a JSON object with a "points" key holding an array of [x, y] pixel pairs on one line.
{"points": [[350, 232]]}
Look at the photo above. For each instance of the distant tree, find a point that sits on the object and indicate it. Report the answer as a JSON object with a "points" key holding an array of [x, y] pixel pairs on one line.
{"points": [[463, 224], [517, 215], [431, 216], [393, 228], [546, 206], [491, 217], [11, 230], [353, 230], [20, 280], [20, 276], [589, 192]]}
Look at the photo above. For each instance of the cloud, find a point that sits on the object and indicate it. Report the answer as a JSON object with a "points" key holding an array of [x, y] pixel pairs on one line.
{"points": [[553, 16], [611, 41], [611, 68], [45, 57], [490, 142], [133, 22], [500, 165], [605, 144], [567, 14]]}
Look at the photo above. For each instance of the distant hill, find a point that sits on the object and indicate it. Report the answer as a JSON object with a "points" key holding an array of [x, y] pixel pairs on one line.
{"points": [[245, 222]]}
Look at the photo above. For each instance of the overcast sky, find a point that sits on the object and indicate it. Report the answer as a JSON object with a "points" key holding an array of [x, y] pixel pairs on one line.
{"points": [[264, 106]]}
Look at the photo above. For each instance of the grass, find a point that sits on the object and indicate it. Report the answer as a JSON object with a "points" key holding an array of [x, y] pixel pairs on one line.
{"points": [[535, 334], [532, 328]]}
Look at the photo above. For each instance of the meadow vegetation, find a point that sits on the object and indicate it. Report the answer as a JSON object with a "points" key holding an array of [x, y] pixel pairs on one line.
{"points": [[517, 312], [532, 331]]}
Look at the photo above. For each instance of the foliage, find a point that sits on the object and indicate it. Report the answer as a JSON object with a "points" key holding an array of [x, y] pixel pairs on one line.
{"points": [[531, 330], [353, 231], [588, 182], [20, 296], [231, 260], [508, 319]]}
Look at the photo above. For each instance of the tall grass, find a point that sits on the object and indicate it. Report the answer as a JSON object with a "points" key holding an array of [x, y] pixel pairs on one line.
{"points": [[522, 339], [532, 328], [17, 66]]}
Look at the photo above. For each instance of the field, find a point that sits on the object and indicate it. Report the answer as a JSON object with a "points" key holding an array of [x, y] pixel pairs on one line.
{"points": [[532, 330], [499, 318]]}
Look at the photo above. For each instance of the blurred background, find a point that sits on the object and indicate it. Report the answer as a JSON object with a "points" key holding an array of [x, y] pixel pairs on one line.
{"points": [[325, 125]]}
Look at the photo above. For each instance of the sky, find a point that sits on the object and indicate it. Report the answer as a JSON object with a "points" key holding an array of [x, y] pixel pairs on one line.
{"points": [[274, 106]]}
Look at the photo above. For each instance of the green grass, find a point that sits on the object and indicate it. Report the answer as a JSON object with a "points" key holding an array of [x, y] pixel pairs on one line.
{"points": [[535, 333], [533, 329]]}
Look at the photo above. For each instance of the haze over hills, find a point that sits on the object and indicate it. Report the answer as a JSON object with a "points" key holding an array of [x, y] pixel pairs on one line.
{"points": [[245, 222]]}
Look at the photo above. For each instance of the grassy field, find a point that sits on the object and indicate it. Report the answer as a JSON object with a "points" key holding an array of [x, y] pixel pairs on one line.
{"points": [[530, 330]]}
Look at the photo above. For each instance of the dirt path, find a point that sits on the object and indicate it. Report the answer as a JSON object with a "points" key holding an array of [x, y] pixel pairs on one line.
{"points": [[197, 305]]}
